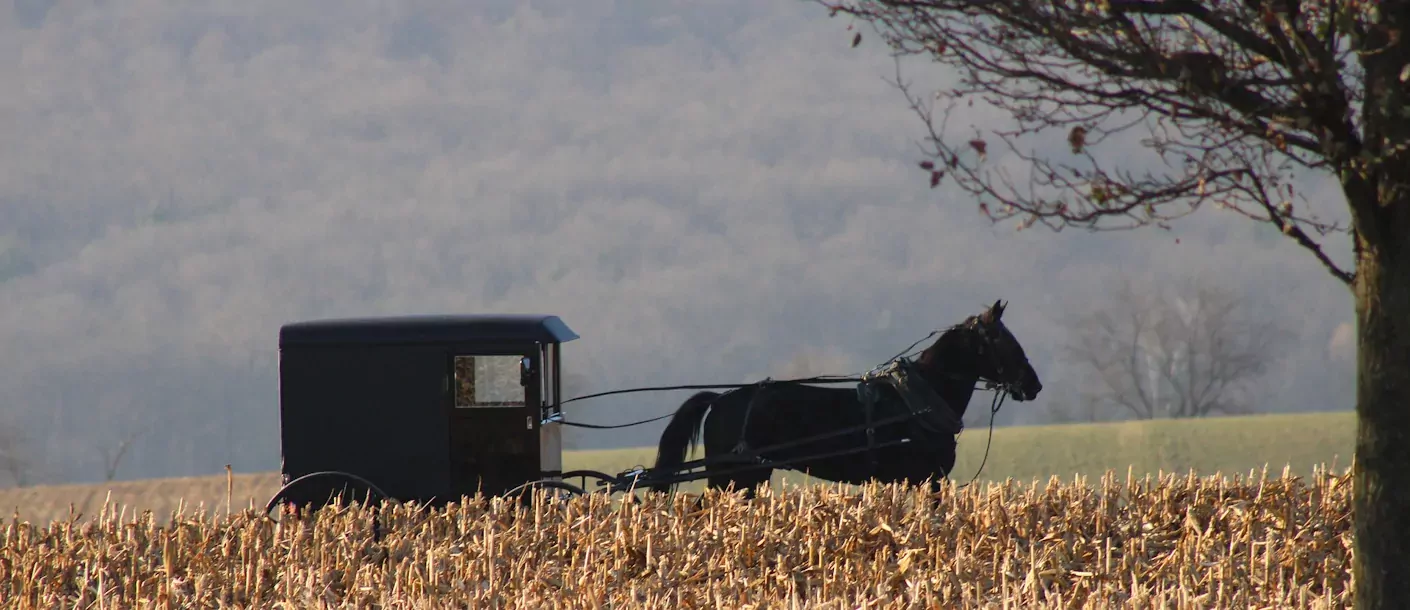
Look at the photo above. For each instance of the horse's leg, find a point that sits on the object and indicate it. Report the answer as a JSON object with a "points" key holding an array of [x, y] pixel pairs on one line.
{"points": [[939, 477], [720, 437], [729, 431], [750, 481], [915, 469], [736, 474]]}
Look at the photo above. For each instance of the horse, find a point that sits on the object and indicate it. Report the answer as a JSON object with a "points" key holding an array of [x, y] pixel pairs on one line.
{"points": [[790, 416]]}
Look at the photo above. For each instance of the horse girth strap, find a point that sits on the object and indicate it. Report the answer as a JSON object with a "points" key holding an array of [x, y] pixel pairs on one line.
{"points": [[928, 409]]}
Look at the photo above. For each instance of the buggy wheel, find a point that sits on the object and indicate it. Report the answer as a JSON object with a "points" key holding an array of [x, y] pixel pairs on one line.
{"points": [[557, 489], [319, 489]]}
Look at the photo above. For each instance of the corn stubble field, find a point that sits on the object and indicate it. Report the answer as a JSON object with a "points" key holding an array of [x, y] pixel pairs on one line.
{"points": [[1167, 542]]}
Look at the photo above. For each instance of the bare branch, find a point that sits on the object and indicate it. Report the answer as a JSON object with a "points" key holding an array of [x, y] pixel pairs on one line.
{"points": [[1234, 96], [114, 453], [1243, 37]]}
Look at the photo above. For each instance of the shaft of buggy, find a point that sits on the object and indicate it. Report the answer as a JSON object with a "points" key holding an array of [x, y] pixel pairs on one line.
{"points": [[754, 453], [684, 468], [636, 481]]}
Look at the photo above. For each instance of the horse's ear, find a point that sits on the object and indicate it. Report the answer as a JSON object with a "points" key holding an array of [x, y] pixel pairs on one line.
{"points": [[993, 313]]}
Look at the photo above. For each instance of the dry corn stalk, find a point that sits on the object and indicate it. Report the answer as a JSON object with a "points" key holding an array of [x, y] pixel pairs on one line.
{"points": [[1180, 542]]}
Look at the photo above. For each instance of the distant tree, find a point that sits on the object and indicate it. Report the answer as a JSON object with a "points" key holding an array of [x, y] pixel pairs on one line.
{"points": [[1189, 350], [1063, 408], [1232, 99], [121, 434], [113, 453], [16, 459]]}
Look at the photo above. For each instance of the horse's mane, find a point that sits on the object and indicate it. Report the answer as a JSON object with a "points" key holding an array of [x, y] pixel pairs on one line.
{"points": [[950, 331], [932, 356]]}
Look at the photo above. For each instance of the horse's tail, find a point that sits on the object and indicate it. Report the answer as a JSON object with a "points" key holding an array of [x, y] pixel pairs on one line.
{"points": [[680, 435]]}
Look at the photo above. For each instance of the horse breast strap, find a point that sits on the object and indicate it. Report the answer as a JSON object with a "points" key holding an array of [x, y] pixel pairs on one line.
{"points": [[923, 402]]}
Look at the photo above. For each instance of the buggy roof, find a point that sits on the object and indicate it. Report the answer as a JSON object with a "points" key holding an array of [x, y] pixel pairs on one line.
{"points": [[427, 329]]}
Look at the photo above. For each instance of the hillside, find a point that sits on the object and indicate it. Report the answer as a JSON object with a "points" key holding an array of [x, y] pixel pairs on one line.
{"points": [[1232, 445]]}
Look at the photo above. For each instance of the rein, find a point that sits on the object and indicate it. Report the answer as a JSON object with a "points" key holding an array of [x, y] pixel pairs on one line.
{"points": [[993, 410]]}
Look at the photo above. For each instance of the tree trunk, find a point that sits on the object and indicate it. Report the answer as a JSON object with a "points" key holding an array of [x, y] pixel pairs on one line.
{"points": [[1381, 475]]}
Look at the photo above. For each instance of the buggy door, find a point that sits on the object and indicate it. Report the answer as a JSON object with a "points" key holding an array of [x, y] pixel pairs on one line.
{"points": [[494, 420]]}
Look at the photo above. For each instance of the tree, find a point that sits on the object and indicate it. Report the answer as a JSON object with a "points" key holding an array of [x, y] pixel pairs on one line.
{"points": [[1233, 96], [113, 453], [1063, 408], [1192, 351], [15, 459], [123, 428]]}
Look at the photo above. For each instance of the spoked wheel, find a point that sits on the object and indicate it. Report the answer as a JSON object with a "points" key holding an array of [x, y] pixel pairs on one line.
{"points": [[557, 490], [319, 489]]}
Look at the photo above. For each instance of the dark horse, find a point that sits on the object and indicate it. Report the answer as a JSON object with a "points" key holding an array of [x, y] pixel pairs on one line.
{"points": [[979, 348]]}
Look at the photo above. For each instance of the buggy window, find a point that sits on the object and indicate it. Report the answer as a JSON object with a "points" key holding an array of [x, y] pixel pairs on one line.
{"points": [[547, 377], [487, 382]]}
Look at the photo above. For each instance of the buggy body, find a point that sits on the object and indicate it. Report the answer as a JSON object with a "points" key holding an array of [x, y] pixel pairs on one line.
{"points": [[423, 409]]}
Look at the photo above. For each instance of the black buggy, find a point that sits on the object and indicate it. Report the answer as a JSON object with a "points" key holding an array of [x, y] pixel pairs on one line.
{"points": [[429, 409], [422, 409]]}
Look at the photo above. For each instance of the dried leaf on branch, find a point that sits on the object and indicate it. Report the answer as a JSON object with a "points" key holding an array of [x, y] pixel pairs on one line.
{"points": [[1234, 99]]}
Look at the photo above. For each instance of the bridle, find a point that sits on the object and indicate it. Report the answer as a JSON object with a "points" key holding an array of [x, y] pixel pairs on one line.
{"points": [[988, 347]]}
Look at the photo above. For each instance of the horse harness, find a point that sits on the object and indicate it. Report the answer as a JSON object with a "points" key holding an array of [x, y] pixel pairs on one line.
{"points": [[928, 410]]}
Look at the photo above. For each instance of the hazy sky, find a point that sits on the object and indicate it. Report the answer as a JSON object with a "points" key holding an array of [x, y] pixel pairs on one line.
{"points": [[703, 191]]}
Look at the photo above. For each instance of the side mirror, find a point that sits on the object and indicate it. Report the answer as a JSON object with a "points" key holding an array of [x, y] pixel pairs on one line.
{"points": [[526, 371]]}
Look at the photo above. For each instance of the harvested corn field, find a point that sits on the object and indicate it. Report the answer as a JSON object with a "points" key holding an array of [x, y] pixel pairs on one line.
{"points": [[1172, 541]]}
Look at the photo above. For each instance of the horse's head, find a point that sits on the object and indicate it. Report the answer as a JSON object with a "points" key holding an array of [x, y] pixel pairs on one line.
{"points": [[991, 350]]}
